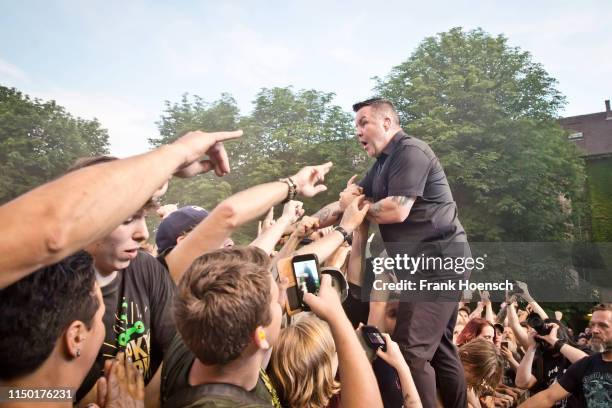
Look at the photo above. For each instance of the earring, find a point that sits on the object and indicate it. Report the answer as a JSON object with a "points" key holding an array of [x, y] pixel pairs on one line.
{"points": [[262, 335], [78, 353]]}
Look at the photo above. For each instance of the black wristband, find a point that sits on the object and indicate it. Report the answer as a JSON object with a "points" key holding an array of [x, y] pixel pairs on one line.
{"points": [[558, 344], [347, 237]]}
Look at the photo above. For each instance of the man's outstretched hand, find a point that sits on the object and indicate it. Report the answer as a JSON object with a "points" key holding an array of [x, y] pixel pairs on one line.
{"points": [[197, 144], [307, 178]]}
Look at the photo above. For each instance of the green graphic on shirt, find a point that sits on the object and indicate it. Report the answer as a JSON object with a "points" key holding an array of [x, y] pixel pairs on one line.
{"points": [[124, 337], [125, 332], [132, 336], [124, 307]]}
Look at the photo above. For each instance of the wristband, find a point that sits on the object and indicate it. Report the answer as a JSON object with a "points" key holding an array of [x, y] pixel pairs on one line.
{"points": [[292, 189], [347, 237], [558, 344]]}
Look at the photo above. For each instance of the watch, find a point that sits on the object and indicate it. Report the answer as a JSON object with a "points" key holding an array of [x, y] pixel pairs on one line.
{"points": [[347, 237]]}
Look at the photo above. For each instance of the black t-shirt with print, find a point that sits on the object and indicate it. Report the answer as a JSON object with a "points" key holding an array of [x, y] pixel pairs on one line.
{"points": [[547, 368], [138, 318], [590, 381]]}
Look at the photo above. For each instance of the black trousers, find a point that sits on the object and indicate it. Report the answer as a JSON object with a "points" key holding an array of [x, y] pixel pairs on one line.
{"points": [[424, 332]]}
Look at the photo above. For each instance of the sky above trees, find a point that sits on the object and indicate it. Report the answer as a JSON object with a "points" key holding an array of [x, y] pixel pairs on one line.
{"points": [[119, 61]]}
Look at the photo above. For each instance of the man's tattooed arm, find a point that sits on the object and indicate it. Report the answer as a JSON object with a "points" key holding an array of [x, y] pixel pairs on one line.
{"points": [[378, 206], [401, 200], [329, 214], [390, 210]]}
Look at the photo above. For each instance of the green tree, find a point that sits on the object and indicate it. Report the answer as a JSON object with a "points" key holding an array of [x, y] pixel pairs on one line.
{"points": [[39, 140], [194, 113], [285, 131], [489, 112], [288, 130]]}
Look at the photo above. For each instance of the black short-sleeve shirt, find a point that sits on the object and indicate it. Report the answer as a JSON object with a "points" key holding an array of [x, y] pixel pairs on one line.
{"points": [[408, 167], [138, 318], [547, 368], [590, 380]]}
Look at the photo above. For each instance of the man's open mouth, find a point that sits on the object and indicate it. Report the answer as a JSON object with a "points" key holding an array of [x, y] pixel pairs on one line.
{"points": [[132, 253]]}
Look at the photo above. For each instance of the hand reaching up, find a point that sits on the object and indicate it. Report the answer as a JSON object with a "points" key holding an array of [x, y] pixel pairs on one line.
{"points": [[122, 385]]}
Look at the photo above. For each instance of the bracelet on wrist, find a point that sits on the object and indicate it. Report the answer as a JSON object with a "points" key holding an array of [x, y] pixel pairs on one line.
{"points": [[558, 344], [345, 235], [292, 192]]}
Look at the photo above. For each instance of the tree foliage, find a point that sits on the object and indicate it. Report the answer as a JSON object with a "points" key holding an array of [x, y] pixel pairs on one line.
{"points": [[489, 112], [39, 140], [288, 130], [600, 192], [285, 131]]}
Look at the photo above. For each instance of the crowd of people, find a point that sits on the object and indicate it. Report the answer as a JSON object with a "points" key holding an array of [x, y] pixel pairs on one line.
{"points": [[91, 305]]}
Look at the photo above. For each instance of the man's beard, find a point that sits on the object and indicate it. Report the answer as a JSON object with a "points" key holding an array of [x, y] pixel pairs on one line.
{"points": [[597, 347], [600, 346]]}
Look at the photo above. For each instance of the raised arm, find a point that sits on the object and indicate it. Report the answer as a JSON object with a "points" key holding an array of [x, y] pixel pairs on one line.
{"points": [[356, 265], [486, 299], [394, 357], [83, 206], [359, 386], [267, 240], [573, 354], [513, 321], [477, 312], [352, 217], [329, 214], [304, 228], [524, 378], [528, 298], [237, 210]]}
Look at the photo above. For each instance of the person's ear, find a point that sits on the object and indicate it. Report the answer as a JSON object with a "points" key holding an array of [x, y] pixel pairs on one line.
{"points": [[387, 123], [74, 339], [259, 337]]}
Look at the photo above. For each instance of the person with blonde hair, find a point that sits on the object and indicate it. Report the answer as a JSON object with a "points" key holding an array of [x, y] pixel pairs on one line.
{"points": [[304, 364], [482, 366]]}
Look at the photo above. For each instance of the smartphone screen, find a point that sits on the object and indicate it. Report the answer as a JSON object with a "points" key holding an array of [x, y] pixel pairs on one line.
{"points": [[373, 337], [306, 275], [376, 338]]}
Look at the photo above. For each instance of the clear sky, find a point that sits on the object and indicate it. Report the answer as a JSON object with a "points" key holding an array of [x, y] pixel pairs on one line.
{"points": [[120, 60]]}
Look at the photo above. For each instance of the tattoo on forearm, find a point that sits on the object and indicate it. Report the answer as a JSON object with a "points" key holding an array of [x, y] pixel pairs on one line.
{"points": [[327, 212], [375, 208], [322, 214], [401, 200]]}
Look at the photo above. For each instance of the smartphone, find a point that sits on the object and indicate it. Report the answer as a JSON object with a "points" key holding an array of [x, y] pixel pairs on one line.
{"points": [[307, 276], [373, 338], [504, 344]]}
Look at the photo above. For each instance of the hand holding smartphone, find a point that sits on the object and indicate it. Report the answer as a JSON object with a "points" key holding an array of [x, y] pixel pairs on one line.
{"points": [[373, 338], [307, 276]]}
